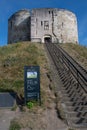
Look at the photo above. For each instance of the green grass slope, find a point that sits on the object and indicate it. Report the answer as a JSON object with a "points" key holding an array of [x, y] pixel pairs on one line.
{"points": [[79, 53], [13, 58]]}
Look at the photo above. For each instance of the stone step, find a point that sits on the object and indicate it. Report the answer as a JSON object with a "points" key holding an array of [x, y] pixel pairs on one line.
{"points": [[73, 119], [81, 125], [76, 120], [70, 82], [70, 108], [78, 103], [64, 94], [82, 114], [64, 80], [75, 103], [76, 98], [77, 108], [70, 89], [71, 99], [65, 99], [83, 108], [67, 84], [72, 114], [71, 93], [81, 120], [84, 86], [67, 87], [63, 73], [68, 103], [80, 96]]}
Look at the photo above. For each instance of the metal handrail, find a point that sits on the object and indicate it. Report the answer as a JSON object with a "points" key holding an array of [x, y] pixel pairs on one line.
{"points": [[77, 71], [80, 72]]}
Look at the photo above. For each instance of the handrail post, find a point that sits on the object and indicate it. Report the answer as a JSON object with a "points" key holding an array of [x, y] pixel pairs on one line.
{"points": [[77, 79]]}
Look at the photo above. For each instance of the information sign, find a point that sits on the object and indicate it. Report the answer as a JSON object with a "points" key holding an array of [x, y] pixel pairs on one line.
{"points": [[32, 83]]}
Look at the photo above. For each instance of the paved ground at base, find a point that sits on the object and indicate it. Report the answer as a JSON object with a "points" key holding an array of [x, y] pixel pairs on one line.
{"points": [[53, 123], [6, 115]]}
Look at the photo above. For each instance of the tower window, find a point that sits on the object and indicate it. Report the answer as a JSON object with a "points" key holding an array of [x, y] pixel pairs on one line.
{"points": [[52, 12], [46, 25], [11, 24], [49, 12], [41, 23], [36, 19]]}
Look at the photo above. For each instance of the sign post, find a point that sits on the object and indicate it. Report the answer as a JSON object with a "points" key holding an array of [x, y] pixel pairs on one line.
{"points": [[32, 83]]}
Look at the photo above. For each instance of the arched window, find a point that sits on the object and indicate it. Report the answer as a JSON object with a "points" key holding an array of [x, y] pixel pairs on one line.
{"points": [[11, 24]]}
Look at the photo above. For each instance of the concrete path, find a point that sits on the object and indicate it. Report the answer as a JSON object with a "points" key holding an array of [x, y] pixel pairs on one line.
{"points": [[53, 122], [6, 115]]}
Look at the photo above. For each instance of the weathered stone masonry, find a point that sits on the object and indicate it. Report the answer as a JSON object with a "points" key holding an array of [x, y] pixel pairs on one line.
{"points": [[43, 25]]}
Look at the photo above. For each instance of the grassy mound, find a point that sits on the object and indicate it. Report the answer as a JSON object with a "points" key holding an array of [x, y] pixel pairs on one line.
{"points": [[13, 58], [79, 53]]}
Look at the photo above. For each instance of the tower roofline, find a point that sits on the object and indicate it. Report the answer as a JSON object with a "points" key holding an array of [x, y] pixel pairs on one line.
{"points": [[18, 12]]}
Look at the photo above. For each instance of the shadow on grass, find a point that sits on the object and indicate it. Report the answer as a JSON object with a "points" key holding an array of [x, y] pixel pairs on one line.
{"points": [[20, 100]]}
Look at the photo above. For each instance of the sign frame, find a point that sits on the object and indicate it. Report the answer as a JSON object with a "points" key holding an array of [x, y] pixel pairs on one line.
{"points": [[32, 83]]}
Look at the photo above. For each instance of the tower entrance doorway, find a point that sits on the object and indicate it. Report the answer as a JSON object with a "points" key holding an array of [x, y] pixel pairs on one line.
{"points": [[47, 39]]}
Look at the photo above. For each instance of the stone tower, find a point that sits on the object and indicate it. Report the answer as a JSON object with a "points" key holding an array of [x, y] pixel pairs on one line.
{"points": [[56, 25], [19, 27], [43, 25]]}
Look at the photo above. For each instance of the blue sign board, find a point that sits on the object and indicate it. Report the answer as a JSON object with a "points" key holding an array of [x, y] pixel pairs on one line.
{"points": [[32, 83]]}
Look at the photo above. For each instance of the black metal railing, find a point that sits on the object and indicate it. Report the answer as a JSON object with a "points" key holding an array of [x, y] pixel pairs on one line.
{"points": [[79, 73], [74, 89]]}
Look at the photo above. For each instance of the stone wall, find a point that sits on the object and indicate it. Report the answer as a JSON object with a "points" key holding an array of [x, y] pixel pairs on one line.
{"points": [[58, 24], [19, 27], [39, 19], [43, 25], [67, 27]]}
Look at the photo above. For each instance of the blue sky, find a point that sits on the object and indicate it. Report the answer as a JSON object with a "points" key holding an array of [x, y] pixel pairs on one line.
{"points": [[8, 7]]}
